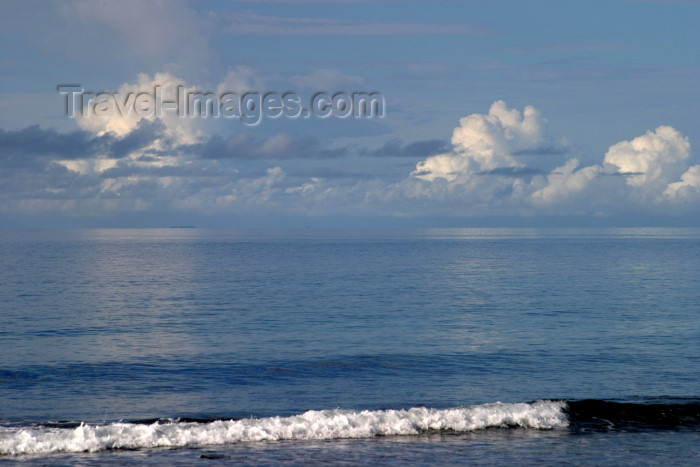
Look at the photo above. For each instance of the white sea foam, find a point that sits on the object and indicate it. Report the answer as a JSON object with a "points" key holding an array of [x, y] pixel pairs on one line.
{"points": [[311, 425]]}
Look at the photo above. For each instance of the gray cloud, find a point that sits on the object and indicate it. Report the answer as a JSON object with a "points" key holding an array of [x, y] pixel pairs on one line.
{"points": [[550, 150], [247, 146], [513, 171], [145, 134], [26, 147], [179, 171], [20, 148], [419, 149], [331, 174], [623, 174]]}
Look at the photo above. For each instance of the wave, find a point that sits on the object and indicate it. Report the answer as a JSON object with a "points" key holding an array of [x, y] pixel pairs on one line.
{"points": [[580, 416], [311, 425]]}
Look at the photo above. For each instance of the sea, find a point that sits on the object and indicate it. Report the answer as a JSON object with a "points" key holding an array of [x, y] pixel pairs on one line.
{"points": [[188, 346]]}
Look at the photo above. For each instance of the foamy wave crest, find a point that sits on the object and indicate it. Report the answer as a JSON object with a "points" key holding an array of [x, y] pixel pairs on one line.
{"points": [[311, 425]]}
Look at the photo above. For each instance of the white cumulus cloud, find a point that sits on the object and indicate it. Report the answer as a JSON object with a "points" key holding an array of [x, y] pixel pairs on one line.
{"points": [[486, 169], [486, 142], [564, 181], [657, 157], [124, 122], [688, 187]]}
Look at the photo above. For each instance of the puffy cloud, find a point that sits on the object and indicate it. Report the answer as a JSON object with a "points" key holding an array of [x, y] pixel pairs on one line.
{"points": [[447, 166], [487, 142], [122, 123], [491, 139], [655, 158], [688, 187], [149, 167], [565, 180], [647, 168]]}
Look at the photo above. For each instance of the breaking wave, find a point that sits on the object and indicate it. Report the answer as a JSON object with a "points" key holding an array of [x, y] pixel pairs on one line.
{"points": [[311, 425]]}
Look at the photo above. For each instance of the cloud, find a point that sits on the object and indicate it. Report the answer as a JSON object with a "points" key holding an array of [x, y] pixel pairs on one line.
{"points": [[514, 171], [148, 169], [143, 136], [645, 173], [244, 193], [326, 173], [120, 124], [651, 160], [242, 145], [34, 150], [687, 188], [549, 150], [486, 142], [22, 147], [564, 181], [147, 145], [396, 148]]}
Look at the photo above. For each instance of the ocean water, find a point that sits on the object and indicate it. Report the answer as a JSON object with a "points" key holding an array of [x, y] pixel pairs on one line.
{"points": [[393, 347]]}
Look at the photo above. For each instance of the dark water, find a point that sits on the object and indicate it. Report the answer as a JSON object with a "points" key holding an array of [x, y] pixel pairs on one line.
{"points": [[402, 340]]}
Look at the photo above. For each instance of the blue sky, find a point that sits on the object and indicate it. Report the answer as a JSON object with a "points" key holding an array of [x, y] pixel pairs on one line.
{"points": [[496, 113]]}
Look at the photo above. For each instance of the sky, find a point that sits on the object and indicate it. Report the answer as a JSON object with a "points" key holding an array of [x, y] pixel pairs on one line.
{"points": [[488, 113]]}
